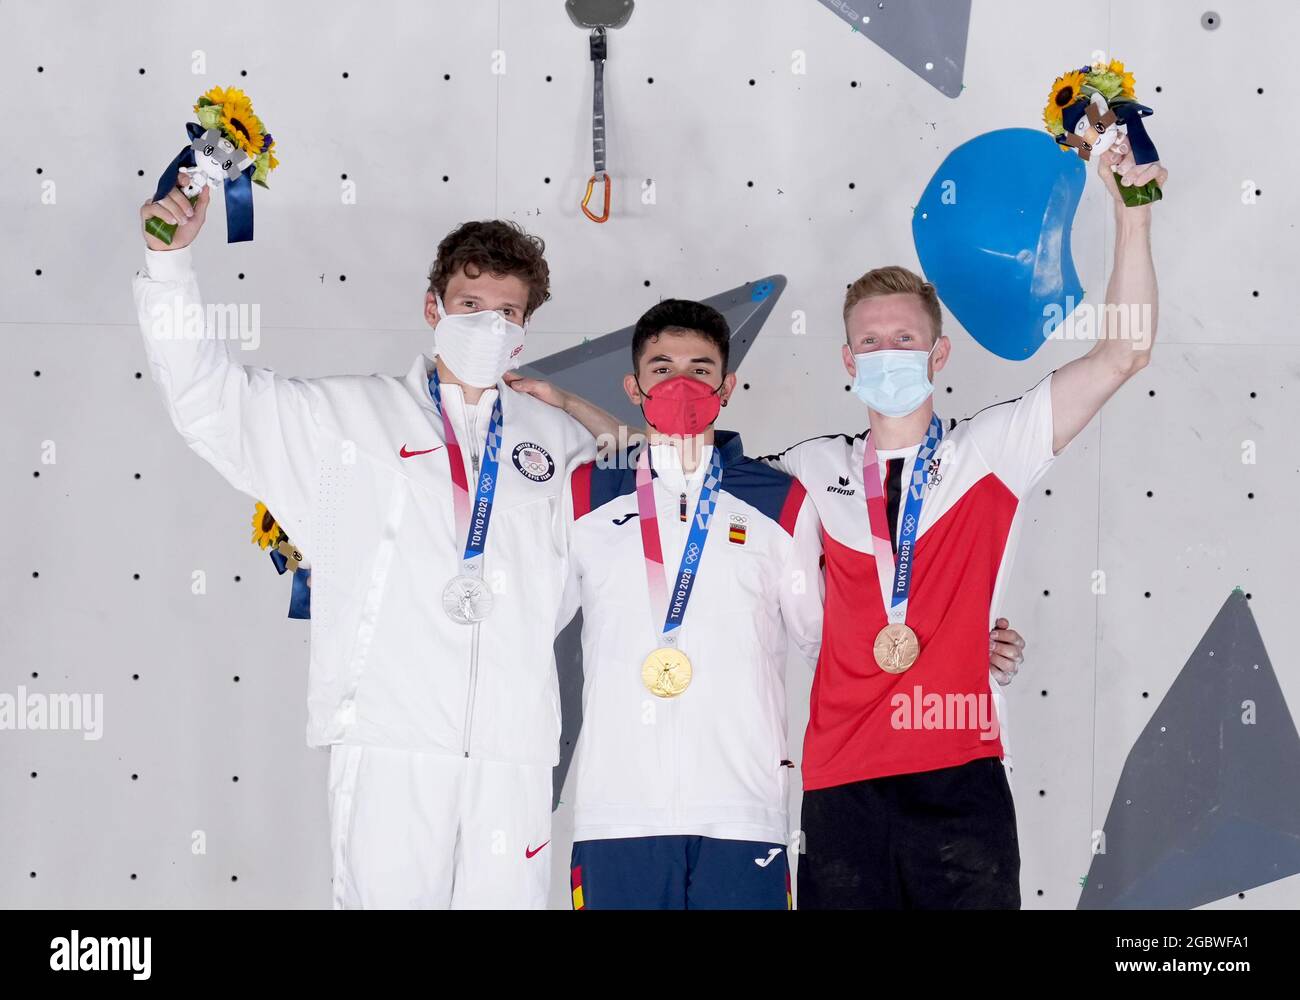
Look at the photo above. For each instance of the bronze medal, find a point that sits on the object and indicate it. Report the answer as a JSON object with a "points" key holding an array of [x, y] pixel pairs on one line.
{"points": [[896, 648], [666, 672]]}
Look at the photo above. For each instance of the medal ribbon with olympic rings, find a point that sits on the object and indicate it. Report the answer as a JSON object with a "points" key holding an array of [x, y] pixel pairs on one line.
{"points": [[895, 571], [475, 533], [673, 612]]}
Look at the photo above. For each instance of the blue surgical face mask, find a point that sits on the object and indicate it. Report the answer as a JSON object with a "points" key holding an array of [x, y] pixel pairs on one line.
{"points": [[894, 383]]}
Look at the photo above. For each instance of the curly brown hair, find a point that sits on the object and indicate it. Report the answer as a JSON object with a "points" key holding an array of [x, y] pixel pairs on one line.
{"points": [[499, 247]]}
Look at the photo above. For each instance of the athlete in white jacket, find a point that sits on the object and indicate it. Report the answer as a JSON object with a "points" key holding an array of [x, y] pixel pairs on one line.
{"points": [[692, 564], [432, 677]]}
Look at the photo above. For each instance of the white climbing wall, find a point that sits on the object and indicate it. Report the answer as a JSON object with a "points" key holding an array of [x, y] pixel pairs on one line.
{"points": [[727, 166]]}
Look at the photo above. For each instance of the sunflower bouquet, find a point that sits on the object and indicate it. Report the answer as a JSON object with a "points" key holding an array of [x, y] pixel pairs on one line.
{"points": [[1090, 107], [267, 534], [228, 145]]}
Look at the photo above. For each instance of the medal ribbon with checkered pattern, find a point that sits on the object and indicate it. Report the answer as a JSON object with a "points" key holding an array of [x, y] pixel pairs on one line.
{"points": [[673, 611], [896, 570], [472, 525]]}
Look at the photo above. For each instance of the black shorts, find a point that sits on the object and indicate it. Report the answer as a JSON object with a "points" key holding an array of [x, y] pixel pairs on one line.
{"points": [[942, 839]]}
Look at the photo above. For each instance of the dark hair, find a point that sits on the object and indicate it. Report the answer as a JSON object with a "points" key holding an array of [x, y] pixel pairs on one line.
{"points": [[499, 247], [686, 316]]}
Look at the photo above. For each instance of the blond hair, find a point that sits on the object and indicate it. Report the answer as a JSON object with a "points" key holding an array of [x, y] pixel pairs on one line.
{"points": [[895, 280]]}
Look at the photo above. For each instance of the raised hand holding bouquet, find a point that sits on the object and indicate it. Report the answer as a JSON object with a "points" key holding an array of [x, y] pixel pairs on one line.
{"points": [[229, 145], [1090, 108]]}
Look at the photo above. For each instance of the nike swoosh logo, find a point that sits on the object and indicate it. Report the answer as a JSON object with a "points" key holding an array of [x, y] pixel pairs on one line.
{"points": [[531, 853], [411, 454], [764, 862], [625, 518]]}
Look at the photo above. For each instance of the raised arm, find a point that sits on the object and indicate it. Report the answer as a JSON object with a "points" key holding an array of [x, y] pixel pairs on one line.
{"points": [[1128, 322], [259, 430]]}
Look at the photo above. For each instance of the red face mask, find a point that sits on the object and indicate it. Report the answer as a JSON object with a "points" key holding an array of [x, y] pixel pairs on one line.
{"points": [[681, 405]]}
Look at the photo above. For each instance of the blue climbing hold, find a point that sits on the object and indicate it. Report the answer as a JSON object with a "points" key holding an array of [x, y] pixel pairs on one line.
{"points": [[992, 233], [762, 290]]}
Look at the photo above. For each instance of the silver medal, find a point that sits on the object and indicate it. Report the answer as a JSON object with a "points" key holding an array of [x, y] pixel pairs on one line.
{"points": [[466, 599]]}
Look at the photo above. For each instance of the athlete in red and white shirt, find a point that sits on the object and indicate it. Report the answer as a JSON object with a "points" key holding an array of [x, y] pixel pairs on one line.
{"points": [[969, 525], [905, 802]]}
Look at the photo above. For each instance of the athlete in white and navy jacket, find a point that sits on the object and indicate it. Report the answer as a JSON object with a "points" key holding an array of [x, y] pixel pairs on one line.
{"points": [[681, 801], [443, 735]]}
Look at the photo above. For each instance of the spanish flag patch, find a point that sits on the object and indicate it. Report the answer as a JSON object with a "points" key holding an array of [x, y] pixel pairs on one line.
{"points": [[736, 532]]}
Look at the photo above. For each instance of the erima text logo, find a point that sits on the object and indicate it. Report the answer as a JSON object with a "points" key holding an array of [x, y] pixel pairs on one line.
{"points": [[844, 481]]}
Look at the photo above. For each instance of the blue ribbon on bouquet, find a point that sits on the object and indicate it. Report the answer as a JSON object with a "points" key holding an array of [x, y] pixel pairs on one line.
{"points": [[300, 599], [238, 193]]}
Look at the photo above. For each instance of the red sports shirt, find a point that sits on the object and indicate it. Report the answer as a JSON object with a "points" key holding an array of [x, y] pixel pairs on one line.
{"points": [[945, 710]]}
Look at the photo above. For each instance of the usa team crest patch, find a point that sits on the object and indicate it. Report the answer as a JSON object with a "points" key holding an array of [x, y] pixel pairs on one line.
{"points": [[736, 532], [533, 461]]}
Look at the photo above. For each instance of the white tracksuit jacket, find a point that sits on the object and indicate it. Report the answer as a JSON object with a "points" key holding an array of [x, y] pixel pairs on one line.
{"points": [[388, 667], [708, 762]]}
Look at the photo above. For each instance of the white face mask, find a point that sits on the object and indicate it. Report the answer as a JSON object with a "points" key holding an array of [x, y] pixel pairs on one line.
{"points": [[478, 347]]}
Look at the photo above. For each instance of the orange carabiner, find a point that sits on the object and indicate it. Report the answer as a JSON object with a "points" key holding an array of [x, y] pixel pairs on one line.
{"points": [[586, 211]]}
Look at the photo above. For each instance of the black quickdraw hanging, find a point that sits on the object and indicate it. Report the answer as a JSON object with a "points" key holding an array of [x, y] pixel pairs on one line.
{"points": [[598, 127], [598, 15]]}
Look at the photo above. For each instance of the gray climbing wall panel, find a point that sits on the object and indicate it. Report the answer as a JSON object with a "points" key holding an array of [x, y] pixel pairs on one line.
{"points": [[1208, 804], [926, 36]]}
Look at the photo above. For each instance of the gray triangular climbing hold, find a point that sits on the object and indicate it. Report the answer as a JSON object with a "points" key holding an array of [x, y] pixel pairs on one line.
{"points": [[918, 33], [1208, 804], [595, 369]]}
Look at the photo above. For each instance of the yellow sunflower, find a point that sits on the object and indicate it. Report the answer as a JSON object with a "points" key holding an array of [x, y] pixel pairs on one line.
{"points": [[1065, 91], [265, 530], [1126, 78], [242, 127], [269, 152], [228, 96]]}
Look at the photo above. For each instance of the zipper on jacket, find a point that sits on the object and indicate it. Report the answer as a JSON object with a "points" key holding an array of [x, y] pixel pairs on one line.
{"points": [[473, 684], [472, 425]]}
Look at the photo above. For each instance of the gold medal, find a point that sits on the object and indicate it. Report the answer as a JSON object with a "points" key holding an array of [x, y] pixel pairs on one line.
{"points": [[896, 648], [666, 672]]}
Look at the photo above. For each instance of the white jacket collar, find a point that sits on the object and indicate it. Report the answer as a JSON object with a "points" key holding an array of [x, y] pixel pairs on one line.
{"points": [[667, 462], [417, 379]]}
